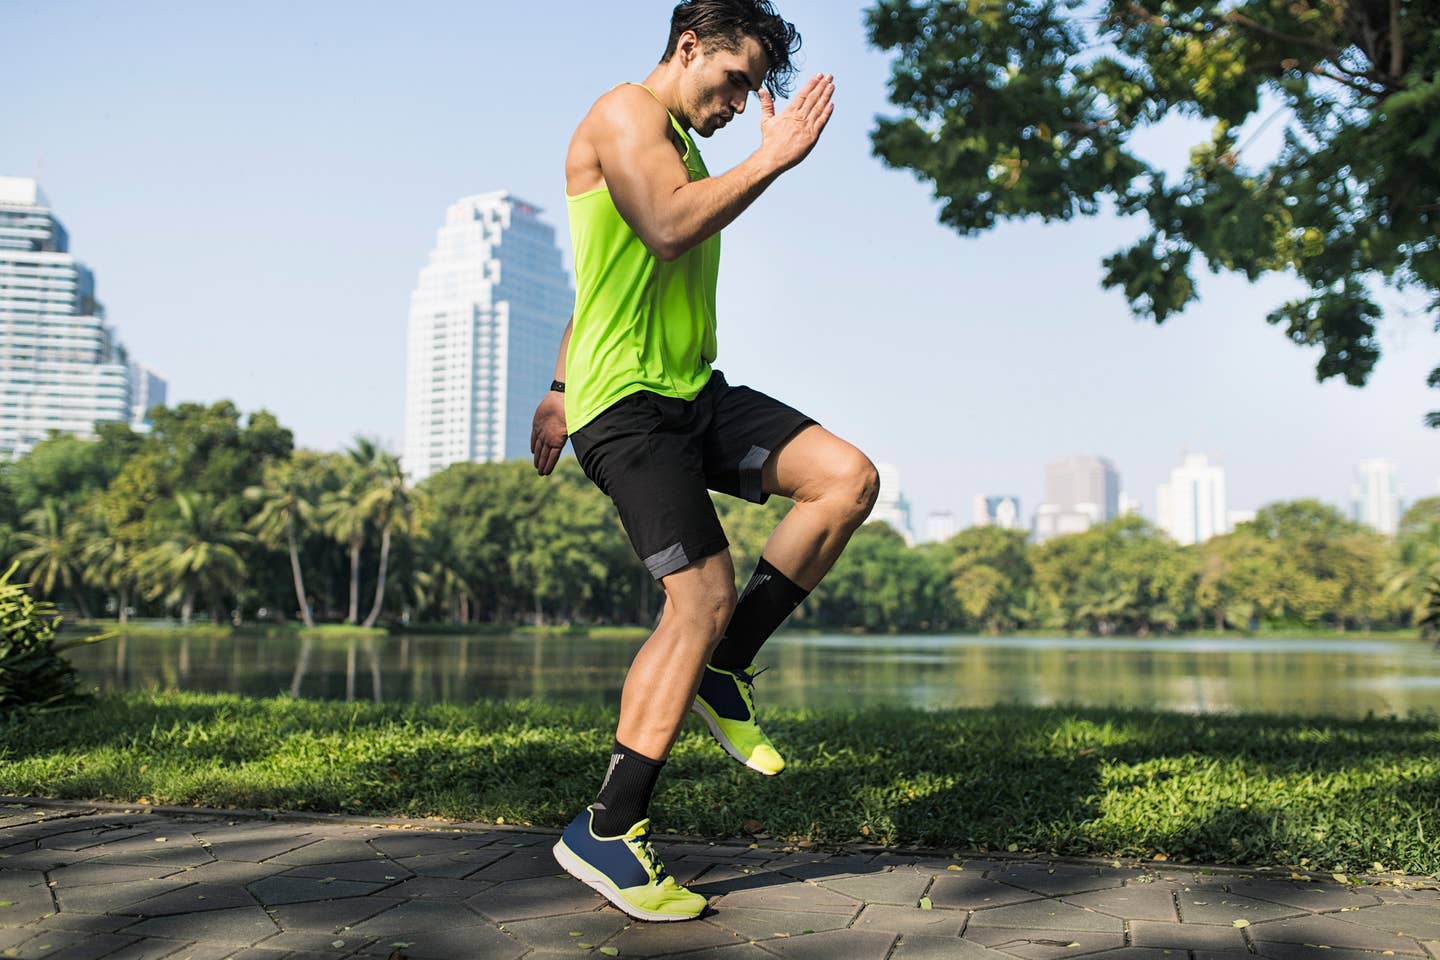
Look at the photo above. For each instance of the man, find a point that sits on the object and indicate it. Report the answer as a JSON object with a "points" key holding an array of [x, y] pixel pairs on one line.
{"points": [[656, 428]]}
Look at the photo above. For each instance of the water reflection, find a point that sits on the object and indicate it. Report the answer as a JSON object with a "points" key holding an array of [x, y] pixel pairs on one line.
{"points": [[1323, 677]]}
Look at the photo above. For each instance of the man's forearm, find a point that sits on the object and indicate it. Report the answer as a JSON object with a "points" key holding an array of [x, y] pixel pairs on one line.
{"points": [[702, 208], [564, 349]]}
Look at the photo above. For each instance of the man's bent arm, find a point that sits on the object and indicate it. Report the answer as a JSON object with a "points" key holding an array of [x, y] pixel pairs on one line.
{"points": [[564, 349], [652, 189]]}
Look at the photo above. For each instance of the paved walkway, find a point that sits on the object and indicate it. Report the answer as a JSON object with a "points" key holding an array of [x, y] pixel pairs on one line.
{"points": [[88, 883]]}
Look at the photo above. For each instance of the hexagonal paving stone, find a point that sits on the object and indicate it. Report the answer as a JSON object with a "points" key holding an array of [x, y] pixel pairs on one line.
{"points": [[113, 897], [974, 892], [668, 939], [242, 926], [1049, 915], [447, 944], [1143, 902], [554, 933], [328, 850], [539, 897], [330, 915], [518, 865], [254, 843], [835, 945], [1044, 944], [804, 897], [1225, 908], [412, 917], [275, 891], [1057, 881], [902, 887], [1411, 920], [1312, 951], [196, 898], [916, 947], [1187, 936], [1331, 931], [367, 871], [756, 924], [931, 923], [1314, 897], [84, 874]]}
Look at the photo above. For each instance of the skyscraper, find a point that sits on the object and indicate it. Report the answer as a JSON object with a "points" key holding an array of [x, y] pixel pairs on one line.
{"points": [[940, 526], [61, 366], [1079, 493], [891, 506], [1376, 496], [485, 324], [1191, 507]]}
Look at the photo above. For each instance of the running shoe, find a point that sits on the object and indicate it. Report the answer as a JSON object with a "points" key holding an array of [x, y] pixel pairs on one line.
{"points": [[726, 703], [625, 871]]}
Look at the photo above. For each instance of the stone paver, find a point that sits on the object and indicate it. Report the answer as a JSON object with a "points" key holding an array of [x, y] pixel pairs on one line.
{"points": [[80, 883]]}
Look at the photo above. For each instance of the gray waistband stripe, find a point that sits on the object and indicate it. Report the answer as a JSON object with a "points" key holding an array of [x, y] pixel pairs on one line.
{"points": [[667, 561]]}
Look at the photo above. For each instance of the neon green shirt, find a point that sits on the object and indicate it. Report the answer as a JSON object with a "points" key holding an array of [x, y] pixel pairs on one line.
{"points": [[641, 323]]}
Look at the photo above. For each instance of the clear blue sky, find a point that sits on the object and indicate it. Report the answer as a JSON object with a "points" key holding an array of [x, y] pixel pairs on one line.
{"points": [[256, 186]]}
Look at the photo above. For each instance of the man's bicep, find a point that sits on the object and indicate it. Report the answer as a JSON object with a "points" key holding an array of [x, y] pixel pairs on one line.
{"points": [[642, 170]]}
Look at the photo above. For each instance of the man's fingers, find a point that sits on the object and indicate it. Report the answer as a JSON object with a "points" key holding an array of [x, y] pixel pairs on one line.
{"points": [[767, 104], [798, 102], [820, 100]]}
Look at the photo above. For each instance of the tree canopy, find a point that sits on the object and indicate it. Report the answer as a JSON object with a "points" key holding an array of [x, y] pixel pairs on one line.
{"points": [[1020, 108]]}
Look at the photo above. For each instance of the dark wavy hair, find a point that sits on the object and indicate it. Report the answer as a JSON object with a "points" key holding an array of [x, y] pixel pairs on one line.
{"points": [[722, 23]]}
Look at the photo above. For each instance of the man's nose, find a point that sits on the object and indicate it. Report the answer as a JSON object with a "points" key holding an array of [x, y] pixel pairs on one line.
{"points": [[739, 105]]}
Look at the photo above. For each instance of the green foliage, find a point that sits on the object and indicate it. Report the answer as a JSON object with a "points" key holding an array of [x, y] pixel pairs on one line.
{"points": [[1019, 108], [1335, 795], [33, 673]]}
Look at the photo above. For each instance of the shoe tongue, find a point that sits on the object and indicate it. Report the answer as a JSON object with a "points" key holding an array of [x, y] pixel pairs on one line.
{"points": [[641, 829]]}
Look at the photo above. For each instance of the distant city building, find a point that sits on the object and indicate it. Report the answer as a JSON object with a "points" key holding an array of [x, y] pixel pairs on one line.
{"points": [[146, 390], [891, 506], [61, 367], [485, 325], [1080, 492], [940, 526], [1376, 496], [1129, 506], [1191, 507], [1002, 511]]}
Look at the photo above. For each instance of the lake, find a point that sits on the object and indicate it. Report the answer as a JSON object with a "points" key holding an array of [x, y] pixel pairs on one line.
{"points": [[1336, 677]]}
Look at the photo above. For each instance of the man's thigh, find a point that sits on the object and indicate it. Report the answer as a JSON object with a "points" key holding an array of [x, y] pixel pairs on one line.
{"points": [[652, 468], [811, 462], [746, 431]]}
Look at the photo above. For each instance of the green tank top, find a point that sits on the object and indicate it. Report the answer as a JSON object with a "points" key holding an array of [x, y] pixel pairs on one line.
{"points": [[641, 323]]}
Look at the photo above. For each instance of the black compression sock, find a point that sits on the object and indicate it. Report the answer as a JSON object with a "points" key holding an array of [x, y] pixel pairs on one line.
{"points": [[769, 598], [625, 795]]}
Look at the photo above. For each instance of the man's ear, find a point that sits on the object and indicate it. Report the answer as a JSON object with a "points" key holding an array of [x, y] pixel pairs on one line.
{"points": [[687, 47]]}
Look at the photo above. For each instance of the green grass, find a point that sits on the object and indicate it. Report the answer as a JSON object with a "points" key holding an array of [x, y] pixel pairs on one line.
{"points": [[1333, 795]]}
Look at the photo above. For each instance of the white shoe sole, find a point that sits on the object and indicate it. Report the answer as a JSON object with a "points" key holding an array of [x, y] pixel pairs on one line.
{"points": [[725, 741], [595, 880]]}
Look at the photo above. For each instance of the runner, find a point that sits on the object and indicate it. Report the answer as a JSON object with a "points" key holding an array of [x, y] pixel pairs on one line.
{"points": [[656, 427]]}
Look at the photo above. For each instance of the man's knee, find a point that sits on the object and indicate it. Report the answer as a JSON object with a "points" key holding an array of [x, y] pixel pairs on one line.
{"points": [[855, 486], [706, 614]]}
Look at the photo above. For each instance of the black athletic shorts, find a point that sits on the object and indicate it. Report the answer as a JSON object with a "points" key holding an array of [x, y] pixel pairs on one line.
{"points": [[657, 457]]}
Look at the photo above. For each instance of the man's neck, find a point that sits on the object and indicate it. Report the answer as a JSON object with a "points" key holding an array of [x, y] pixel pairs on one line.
{"points": [[666, 86]]}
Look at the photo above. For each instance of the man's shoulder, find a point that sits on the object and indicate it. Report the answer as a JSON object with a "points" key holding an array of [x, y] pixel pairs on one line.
{"points": [[626, 105]]}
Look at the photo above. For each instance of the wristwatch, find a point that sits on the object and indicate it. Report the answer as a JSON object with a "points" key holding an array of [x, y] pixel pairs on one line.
{"points": [[557, 385]]}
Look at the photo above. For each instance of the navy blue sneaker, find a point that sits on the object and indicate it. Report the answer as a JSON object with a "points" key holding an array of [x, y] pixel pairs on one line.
{"points": [[625, 871], [725, 703]]}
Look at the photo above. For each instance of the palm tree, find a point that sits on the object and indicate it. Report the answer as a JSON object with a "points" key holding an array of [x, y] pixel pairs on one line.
{"points": [[197, 559], [287, 513], [109, 559], [345, 521], [51, 552], [390, 504]]}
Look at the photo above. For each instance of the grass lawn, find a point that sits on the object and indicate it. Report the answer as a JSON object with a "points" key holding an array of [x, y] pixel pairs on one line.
{"points": [[1318, 794]]}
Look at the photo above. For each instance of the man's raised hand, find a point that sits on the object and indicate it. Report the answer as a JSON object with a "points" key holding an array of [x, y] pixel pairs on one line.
{"points": [[788, 137]]}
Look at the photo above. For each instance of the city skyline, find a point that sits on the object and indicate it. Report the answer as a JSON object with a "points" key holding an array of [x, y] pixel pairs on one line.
{"points": [[261, 212]]}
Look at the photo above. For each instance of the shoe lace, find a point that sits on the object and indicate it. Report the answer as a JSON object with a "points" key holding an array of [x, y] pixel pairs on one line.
{"points": [[642, 844], [748, 691]]}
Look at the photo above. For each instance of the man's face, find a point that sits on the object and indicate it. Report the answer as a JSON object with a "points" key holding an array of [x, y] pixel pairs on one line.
{"points": [[720, 83]]}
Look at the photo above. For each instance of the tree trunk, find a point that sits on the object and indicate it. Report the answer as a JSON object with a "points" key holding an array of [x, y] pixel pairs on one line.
{"points": [[299, 578], [354, 616], [125, 604], [187, 607], [380, 584], [80, 604]]}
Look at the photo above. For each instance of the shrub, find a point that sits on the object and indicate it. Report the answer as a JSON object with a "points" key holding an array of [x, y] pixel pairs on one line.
{"points": [[33, 672]]}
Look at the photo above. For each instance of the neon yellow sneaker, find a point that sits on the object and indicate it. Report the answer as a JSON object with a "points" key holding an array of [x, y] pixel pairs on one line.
{"points": [[625, 871], [726, 704]]}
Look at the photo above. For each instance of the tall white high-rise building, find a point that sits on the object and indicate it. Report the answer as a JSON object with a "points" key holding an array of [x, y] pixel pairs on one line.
{"points": [[1191, 507], [485, 324], [890, 505], [1376, 496], [147, 390], [61, 366]]}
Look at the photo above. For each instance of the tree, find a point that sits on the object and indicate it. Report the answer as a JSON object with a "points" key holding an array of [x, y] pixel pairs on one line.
{"points": [[990, 575], [287, 513], [1009, 113], [1327, 569], [389, 502], [198, 558], [346, 519], [1415, 562], [108, 559], [51, 553]]}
